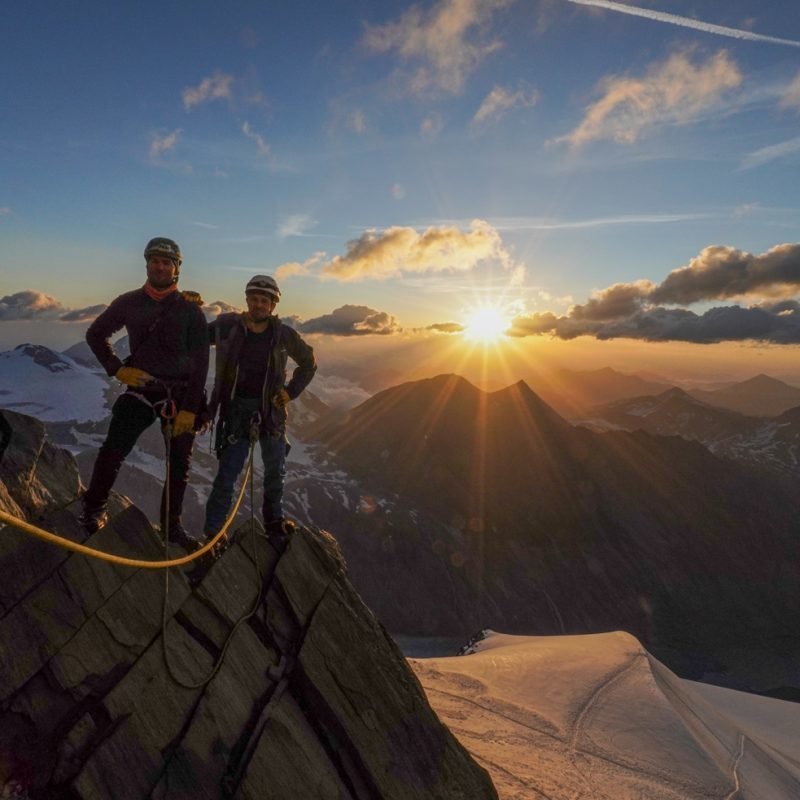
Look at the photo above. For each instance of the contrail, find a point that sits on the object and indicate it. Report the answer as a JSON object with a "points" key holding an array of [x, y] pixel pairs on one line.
{"points": [[686, 22]]}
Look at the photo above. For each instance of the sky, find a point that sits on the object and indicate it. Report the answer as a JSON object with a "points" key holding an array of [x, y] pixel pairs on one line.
{"points": [[615, 182]]}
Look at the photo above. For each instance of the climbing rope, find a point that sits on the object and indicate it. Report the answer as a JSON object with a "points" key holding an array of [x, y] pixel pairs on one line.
{"points": [[68, 544]]}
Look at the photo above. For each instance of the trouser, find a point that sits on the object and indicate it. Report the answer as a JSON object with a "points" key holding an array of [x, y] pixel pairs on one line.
{"points": [[130, 417], [232, 458]]}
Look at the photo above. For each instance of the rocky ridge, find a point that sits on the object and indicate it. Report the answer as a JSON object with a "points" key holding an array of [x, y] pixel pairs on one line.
{"points": [[312, 699]]}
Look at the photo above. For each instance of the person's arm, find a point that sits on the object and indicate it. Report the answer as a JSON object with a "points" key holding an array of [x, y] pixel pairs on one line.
{"points": [[106, 324], [303, 355]]}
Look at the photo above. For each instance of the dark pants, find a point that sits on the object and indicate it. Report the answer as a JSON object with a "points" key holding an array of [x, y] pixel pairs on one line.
{"points": [[130, 417], [232, 459]]}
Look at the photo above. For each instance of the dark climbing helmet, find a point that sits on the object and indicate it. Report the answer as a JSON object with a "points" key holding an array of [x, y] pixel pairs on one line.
{"points": [[263, 284], [161, 246]]}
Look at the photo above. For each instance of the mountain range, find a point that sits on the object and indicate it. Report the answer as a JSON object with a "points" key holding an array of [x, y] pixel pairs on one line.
{"points": [[492, 507], [772, 443]]}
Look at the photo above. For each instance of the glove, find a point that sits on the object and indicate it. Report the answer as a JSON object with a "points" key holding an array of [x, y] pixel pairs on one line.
{"points": [[184, 423], [281, 399], [133, 377]]}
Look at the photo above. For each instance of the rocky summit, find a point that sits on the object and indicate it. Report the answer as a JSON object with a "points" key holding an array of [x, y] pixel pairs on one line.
{"points": [[268, 677]]}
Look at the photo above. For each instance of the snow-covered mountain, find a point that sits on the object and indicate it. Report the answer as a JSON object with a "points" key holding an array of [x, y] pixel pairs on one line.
{"points": [[51, 386], [596, 716], [769, 442]]}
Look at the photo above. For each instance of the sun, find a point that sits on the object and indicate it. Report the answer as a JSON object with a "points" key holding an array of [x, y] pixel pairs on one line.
{"points": [[485, 324]]}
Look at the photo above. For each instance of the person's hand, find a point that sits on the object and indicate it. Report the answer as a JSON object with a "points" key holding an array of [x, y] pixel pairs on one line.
{"points": [[133, 377], [184, 423], [281, 399]]}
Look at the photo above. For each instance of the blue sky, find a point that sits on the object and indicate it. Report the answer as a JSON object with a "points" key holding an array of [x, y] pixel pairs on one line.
{"points": [[410, 160]]}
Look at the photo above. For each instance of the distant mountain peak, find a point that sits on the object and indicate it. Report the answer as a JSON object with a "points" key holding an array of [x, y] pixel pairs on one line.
{"points": [[43, 356], [763, 381]]}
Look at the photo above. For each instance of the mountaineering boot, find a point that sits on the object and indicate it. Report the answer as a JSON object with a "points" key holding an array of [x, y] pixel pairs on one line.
{"points": [[279, 531], [93, 518], [179, 536]]}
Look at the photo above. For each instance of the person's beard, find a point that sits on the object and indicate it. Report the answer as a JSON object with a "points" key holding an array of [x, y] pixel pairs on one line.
{"points": [[262, 315], [160, 280]]}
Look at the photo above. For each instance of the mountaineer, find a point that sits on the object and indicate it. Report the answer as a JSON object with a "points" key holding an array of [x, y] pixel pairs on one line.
{"points": [[165, 374], [250, 387]]}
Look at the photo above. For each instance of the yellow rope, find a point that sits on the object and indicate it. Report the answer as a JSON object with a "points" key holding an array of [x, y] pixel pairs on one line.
{"points": [[67, 544]]}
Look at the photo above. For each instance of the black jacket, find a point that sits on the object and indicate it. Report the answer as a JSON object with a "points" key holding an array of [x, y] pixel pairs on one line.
{"points": [[176, 349], [228, 332]]}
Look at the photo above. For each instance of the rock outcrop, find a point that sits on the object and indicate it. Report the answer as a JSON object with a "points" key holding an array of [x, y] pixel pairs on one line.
{"points": [[269, 678]]}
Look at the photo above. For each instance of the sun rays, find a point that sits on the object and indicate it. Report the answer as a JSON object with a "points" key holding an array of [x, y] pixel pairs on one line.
{"points": [[485, 324]]}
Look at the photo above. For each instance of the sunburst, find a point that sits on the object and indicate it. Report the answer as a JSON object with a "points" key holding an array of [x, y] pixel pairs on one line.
{"points": [[485, 324]]}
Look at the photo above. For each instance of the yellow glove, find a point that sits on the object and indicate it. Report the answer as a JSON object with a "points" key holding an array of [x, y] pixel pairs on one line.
{"points": [[184, 423], [133, 377], [281, 399]]}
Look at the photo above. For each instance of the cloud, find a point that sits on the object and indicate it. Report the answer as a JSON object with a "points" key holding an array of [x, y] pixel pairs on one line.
{"points": [[397, 250], [291, 268], [724, 323], [33, 305], [619, 300], [295, 225], [161, 143], [29, 305], [82, 314], [213, 310], [444, 41], [686, 22], [446, 327], [719, 273], [636, 310], [791, 97], [771, 153], [217, 87], [675, 92], [500, 100], [5, 211], [338, 392], [261, 144], [349, 320]]}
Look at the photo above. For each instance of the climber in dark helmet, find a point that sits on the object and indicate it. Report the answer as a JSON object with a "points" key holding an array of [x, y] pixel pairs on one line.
{"points": [[165, 376], [5, 435], [251, 388]]}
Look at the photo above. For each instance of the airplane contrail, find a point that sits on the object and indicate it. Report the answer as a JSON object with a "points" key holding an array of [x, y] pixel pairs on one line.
{"points": [[686, 22]]}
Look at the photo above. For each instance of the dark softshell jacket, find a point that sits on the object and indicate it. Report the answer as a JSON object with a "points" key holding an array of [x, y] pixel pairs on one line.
{"points": [[228, 333], [176, 349]]}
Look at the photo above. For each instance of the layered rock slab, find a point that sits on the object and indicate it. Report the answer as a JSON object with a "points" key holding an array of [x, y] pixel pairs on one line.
{"points": [[269, 678]]}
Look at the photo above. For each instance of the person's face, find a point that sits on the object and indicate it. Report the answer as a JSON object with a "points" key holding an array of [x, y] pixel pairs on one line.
{"points": [[259, 306], [161, 272]]}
